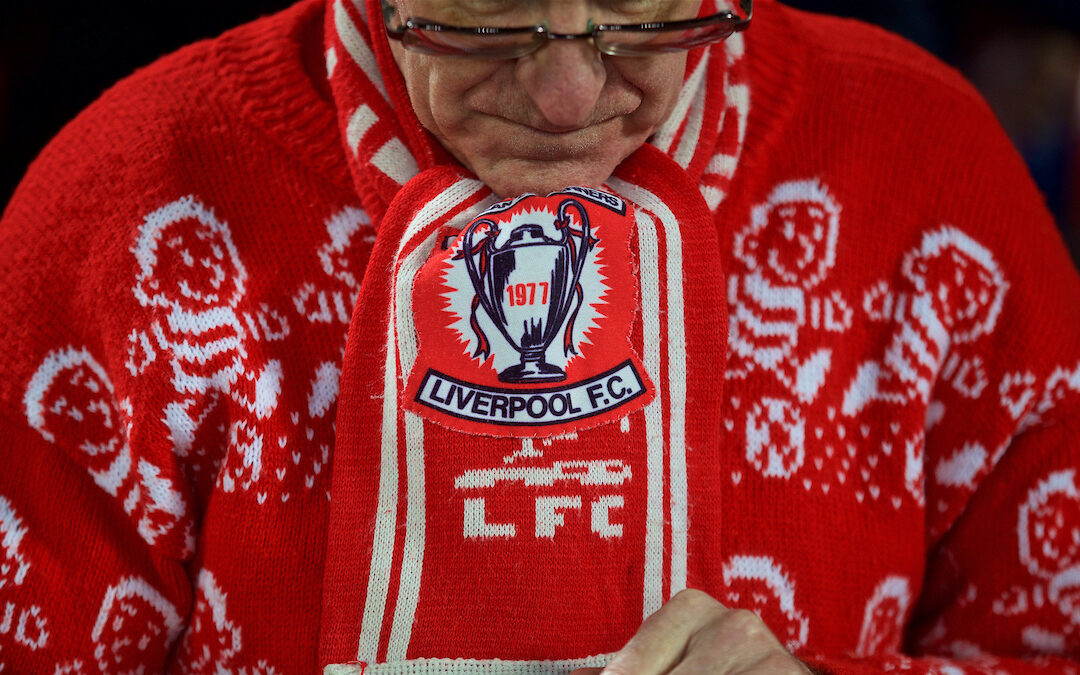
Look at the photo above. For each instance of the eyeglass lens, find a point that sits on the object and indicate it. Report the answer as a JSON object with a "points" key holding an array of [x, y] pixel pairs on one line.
{"points": [[513, 13]]}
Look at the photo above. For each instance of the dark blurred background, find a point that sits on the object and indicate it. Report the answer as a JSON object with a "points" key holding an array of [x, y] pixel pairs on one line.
{"points": [[56, 57]]}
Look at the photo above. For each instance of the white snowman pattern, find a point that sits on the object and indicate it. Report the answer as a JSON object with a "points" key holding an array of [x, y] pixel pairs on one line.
{"points": [[949, 297], [1047, 606], [330, 301], [786, 253], [884, 617], [191, 276], [70, 400], [760, 584], [213, 642], [22, 625], [954, 297], [135, 625], [347, 230], [71, 396], [1019, 396]]}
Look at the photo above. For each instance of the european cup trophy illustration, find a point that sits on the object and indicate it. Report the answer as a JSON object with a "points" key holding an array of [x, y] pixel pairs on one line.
{"points": [[528, 284]]}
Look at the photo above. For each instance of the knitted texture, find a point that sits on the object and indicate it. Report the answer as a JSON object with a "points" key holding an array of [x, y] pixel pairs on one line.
{"points": [[858, 327]]}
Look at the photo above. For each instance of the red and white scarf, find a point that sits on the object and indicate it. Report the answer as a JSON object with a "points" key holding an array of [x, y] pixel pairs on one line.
{"points": [[459, 544]]}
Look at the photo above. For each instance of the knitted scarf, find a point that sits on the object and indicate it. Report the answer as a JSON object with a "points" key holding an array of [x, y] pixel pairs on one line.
{"points": [[516, 458]]}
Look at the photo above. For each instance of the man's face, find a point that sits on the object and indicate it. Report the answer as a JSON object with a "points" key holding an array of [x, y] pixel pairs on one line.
{"points": [[561, 116]]}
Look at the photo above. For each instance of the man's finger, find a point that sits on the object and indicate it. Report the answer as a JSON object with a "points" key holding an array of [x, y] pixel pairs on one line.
{"points": [[736, 641], [661, 641]]}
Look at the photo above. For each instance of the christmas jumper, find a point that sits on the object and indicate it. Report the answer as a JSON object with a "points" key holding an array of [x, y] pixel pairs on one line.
{"points": [[285, 387]]}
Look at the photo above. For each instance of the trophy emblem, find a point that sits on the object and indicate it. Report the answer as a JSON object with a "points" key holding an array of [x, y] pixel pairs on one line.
{"points": [[523, 318], [528, 284]]}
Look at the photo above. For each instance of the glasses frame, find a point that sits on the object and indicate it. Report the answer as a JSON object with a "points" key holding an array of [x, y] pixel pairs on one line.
{"points": [[410, 34]]}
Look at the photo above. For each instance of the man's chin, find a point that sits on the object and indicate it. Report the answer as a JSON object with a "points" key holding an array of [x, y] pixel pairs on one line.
{"points": [[510, 178]]}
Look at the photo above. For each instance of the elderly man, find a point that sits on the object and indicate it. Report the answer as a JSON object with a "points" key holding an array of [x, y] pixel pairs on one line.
{"points": [[462, 336]]}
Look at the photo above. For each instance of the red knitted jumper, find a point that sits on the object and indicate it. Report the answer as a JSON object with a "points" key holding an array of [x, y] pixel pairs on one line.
{"points": [[285, 387]]}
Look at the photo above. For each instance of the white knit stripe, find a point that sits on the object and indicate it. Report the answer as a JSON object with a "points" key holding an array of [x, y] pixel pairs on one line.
{"points": [[665, 136], [676, 382], [734, 48], [688, 144], [736, 102], [356, 46], [382, 548], [470, 667], [395, 160], [713, 196], [723, 165], [412, 561], [649, 266], [408, 344], [382, 551], [433, 210], [361, 121]]}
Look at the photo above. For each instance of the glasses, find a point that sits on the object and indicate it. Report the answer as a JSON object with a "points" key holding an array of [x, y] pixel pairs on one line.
{"points": [[613, 39]]}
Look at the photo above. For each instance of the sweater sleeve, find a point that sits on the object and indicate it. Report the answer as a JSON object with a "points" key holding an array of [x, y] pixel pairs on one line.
{"points": [[94, 530], [96, 525], [1002, 592], [1001, 453], [81, 588]]}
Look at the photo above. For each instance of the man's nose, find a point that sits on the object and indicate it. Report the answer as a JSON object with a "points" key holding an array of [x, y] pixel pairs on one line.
{"points": [[564, 80]]}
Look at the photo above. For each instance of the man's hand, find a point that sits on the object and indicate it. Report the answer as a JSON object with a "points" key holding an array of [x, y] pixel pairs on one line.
{"points": [[693, 633]]}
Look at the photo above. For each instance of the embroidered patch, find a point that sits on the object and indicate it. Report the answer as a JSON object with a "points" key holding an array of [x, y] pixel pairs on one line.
{"points": [[524, 319]]}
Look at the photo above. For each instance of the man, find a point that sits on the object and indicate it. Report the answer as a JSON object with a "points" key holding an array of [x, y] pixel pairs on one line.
{"points": [[296, 379]]}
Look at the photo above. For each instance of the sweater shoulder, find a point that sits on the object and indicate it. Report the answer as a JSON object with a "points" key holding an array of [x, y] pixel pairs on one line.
{"points": [[824, 86], [907, 146], [806, 63], [176, 122], [182, 128], [833, 41]]}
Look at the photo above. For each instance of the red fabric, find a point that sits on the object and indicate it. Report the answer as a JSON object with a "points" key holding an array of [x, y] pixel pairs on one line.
{"points": [[869, 403]]}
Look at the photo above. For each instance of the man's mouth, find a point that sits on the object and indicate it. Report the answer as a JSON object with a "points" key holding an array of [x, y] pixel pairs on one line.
{"points": [[544, 127]]}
